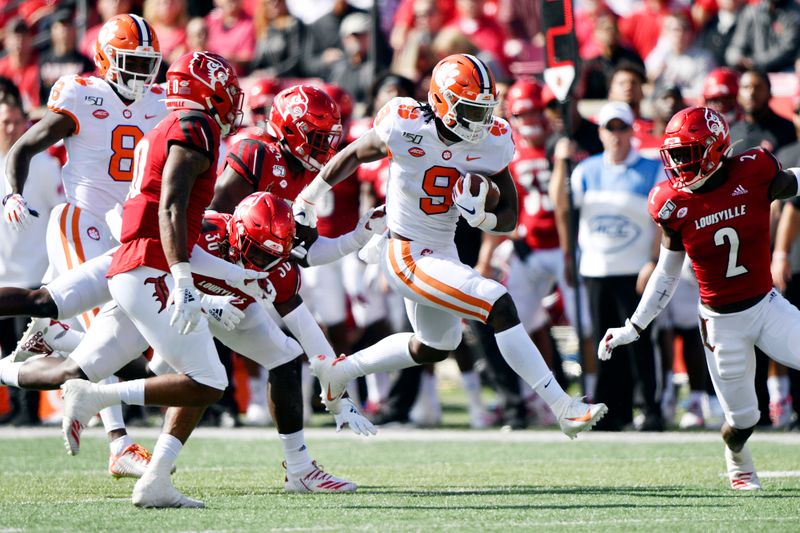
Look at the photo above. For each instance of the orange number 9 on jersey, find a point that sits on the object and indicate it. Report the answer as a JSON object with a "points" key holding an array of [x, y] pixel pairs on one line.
{"points": [[124, 139], [438, 183]]}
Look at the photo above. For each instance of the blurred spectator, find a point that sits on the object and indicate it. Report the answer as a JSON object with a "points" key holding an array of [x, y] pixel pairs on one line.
{"points": [[62, 58], [716, 34], [168, 18], [354, 71], [583, 131], [25, 270], [586, 16], [597, 71], [767, 36], [485, 32], [522, 19], [9, 91], [676, 60], [451, 40], [720, 93], [626, 86], [760, 125], [408, 13], [642, 27], [618, 242], [789, 155], [413, 58], [106, 9], [667, 102], [279, 40], [323, 45], [231, 33], [20, 64], [197, 35]]}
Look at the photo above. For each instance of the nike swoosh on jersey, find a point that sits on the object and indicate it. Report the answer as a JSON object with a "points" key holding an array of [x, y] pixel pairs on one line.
{"points": [[148, 117], [470, 211], [473, 157]]}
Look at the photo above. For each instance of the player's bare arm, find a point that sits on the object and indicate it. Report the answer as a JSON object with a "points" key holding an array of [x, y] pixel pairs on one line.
{"points": [[45, 133], [229, 191], [180, 171], [369, 147], [784, 185]]}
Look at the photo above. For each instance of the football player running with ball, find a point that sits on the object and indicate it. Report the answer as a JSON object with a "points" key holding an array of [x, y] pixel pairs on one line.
{"points": [[432, 146], [716, 210]]}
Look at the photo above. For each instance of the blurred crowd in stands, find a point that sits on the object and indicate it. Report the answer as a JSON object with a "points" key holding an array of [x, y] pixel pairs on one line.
{"points": [[655, 56]]}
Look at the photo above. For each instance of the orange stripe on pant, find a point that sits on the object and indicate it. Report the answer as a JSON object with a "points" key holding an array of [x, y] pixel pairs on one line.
{"points": [[411, 285], [80, 258]]}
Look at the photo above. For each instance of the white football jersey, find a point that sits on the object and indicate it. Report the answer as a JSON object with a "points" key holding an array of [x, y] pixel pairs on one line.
{"points": [[423, 170], [100, 151]]}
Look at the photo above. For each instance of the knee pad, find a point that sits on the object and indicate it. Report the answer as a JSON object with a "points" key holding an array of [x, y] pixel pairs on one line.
{"points": [[447, 342], [743, 418]]}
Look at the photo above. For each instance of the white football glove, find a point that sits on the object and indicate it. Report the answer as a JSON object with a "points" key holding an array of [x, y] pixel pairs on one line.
{"points": [[373, 222], [237, 277], [304, 212], [188, 310], [472, 208], [222, 310], [344, 411], [17, 212], [616, 337]]}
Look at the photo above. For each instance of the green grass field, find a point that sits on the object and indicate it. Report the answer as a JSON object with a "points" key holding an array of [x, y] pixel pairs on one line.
{"points": [[412, 480]]}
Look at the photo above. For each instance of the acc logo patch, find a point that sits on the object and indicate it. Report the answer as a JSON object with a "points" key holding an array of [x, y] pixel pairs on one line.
{"points": [[283, 184], [100, 113], [416, 151], [682, 212], [93, 233], [667, 210]]}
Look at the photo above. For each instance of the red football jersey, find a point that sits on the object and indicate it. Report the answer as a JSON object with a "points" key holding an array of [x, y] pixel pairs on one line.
{"points": [[530, 169], [264, 166], [726, 230], [141, 237], [283, 280]]}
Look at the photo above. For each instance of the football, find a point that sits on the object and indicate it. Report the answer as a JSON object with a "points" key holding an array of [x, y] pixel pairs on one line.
{"points": [[473, 181]]}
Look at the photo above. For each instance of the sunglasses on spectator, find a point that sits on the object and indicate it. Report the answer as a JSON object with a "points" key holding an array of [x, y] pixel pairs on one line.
{"points": [[617, 128]]}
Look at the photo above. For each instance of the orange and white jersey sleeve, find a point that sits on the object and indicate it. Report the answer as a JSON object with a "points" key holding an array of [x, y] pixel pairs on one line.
{"points": [[100, 150], [424, 170]]}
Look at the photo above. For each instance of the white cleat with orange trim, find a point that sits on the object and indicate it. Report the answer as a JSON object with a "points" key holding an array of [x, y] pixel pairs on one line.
{"points": [[132, 462], [741, 470], [316, 480], [332, 375], [574, 415]]}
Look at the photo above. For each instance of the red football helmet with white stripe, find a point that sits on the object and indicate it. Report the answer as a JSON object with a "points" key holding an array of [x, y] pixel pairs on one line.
{"points": [[127, 55], [205, 81], [261, 231], [463, 96], [308, 122]]}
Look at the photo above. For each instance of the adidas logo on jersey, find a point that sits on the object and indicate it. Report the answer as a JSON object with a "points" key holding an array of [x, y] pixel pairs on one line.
{"points": [[739, 190]]}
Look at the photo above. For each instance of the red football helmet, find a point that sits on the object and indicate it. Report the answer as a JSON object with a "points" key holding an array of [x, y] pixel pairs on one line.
{"points": [[308, 122], [720, 89], [525, 110], [261, 231], [260, 97], [463, 96], [696, 140], [127, 55], [207, 82], [216, 225]]}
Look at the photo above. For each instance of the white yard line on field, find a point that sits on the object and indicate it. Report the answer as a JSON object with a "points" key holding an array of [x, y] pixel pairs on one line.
{"points": [[393, 434]]}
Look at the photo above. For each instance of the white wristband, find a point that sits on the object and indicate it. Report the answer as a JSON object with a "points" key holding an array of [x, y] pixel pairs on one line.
{"points": [[315, 190], [489, 222], [796, 172], [181, 271]]}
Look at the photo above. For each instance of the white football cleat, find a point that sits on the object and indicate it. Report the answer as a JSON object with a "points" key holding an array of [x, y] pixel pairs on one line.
{"points": [[780, 412], [81, 402], [741, 471], [153, 491], [316, 480], [132, 462], [42, 337], [331, 375], [693, 417], [575, 416]]}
